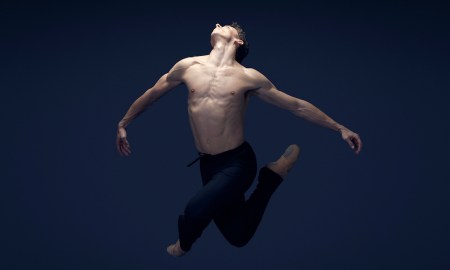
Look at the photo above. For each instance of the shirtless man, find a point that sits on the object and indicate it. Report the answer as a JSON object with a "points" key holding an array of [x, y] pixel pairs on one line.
{"points": [[219, 89]]}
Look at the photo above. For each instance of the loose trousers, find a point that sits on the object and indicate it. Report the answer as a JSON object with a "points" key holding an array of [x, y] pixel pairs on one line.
{"points": [[226, 177]]}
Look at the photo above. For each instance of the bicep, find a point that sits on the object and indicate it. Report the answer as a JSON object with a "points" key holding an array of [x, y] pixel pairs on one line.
{"points": [[276, 97], [161, 87], [266, 91], [166, 83], [172, 78]]}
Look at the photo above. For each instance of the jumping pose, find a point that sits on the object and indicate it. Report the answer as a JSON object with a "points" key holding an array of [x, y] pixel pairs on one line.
{"points": [[219, 89]]}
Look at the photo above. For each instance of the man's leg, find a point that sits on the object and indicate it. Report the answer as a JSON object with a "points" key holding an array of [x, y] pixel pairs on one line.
{"points": [[222, 190], [238, 223], [175, 249]]}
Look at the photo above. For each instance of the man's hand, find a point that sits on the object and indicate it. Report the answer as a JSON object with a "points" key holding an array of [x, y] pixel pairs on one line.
{"points": [[122, 144], [352, 139]]}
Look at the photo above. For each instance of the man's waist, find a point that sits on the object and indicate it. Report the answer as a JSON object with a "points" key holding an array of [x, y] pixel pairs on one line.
{"points": [[221, 155]]}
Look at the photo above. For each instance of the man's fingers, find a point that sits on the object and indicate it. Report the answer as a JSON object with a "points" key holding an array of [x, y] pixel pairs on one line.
{"points": [[118, 146], [350, 143], [127, 149], [124, 150], [120, 149], [353, 141], [123, 147], [126, 146], [357, 143], [122, 144]]}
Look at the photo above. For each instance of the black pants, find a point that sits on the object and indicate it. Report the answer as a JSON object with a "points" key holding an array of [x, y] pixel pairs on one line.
{"points": [[226, 177]]}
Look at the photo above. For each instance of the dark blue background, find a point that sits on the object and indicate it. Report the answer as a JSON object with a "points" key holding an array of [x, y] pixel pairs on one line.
{"points": [[70, 71]]}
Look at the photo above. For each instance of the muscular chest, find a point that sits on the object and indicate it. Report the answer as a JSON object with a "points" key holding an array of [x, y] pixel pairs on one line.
{"points": [[216, 83]]}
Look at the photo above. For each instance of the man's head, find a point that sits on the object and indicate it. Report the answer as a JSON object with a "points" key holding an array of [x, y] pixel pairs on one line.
{"points": [[243, 49], [232, 33]]}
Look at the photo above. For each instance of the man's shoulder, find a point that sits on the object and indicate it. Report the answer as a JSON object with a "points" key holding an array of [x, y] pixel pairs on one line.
{"points": [[200, 58], [182, 66], [189, 61], [256, 78], [185, 62], [253, 73]]}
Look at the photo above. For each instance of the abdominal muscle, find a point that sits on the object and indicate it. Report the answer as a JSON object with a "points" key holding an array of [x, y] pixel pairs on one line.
{"points": [[217, 125]]}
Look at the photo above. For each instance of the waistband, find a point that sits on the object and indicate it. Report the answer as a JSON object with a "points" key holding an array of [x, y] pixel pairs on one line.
{"points": [[221, 155]]}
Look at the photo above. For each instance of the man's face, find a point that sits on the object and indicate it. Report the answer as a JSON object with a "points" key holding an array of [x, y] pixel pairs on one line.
{"points": [[225, 31]]}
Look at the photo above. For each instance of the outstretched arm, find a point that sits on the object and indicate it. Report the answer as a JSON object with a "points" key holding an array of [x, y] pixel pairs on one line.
{"points": [[166, 83], [266, 91]]}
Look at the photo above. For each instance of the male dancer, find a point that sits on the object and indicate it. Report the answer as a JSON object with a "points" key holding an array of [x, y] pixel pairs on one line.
{"points": [[219, 88]]}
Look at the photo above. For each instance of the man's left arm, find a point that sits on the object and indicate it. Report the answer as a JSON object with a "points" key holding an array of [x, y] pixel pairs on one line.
{"points": [[267, 92]]}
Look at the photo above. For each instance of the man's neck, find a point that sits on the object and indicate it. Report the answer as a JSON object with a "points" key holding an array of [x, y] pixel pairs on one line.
{"points": [[222, 54]]}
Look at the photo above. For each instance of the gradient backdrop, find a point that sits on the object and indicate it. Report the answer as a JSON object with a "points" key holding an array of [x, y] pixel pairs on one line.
{"points": [[70, 71]]}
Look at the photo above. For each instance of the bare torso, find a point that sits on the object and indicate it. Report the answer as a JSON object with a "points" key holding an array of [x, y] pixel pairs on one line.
{"points": [[217, 102]]}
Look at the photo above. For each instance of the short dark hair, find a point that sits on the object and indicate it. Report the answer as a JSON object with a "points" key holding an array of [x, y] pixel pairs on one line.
{"points": [[243, 49]]}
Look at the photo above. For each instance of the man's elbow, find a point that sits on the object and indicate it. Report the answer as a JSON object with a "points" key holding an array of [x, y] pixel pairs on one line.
{"points": [[299, 107]]}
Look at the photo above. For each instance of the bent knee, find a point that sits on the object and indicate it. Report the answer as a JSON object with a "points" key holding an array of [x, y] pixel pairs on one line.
{"points": [[238, 242]]}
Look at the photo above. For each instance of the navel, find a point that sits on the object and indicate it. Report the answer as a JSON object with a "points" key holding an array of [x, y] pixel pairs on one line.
{"points": [[232, 92], [192, 90]]}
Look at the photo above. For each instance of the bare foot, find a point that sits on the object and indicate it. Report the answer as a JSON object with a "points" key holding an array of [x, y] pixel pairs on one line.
{"points": [[175, 249], [286, 161]]}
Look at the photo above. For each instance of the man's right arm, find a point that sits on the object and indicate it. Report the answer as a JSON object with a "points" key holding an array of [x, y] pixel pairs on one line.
{"points": [[166, 83]]}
